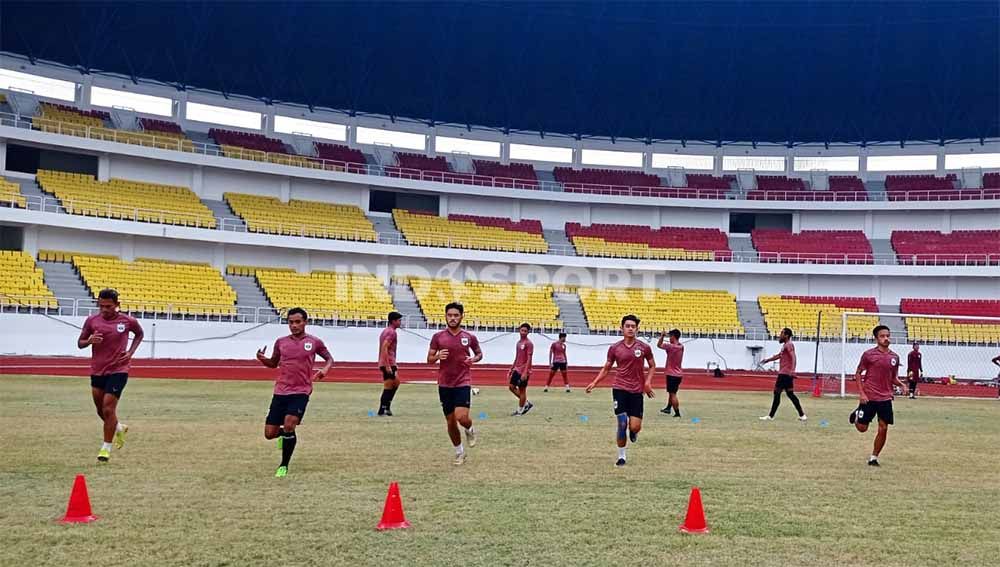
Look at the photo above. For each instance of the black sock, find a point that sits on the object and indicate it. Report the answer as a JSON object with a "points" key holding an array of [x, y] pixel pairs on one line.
{"points": [[389, 395], [775, 403], [287, 447], [795, 402], [677, 411], [383, 401]]}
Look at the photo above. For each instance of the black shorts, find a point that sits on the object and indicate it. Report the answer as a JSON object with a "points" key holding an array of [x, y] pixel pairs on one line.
{"points": [[868, 412], [517, 380], [673, 384], [784, 382], [559, 366], [388, 373], [113, 384], [451, 398], [628, 403], [288, 404]]}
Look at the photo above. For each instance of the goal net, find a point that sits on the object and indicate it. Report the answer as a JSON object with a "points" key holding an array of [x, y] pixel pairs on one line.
{"points": [[954, 348]]}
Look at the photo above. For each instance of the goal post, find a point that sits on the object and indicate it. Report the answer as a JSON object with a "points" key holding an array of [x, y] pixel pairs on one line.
{"points": [[954, 347]]}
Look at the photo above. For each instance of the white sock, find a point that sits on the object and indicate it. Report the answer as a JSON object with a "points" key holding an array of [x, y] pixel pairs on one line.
{"points": [[621, 452], [106, 446], [120, 426], [459, 449], [470, 431], [873, 458]]}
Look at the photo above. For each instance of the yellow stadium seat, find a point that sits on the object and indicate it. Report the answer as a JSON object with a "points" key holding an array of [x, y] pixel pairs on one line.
{"points": [[302, 218], [10, 195], [22, 282], [948, 330], [327, 295], [801, 318], [691, 311], [431, 230], [488, 304], [120, 198]]}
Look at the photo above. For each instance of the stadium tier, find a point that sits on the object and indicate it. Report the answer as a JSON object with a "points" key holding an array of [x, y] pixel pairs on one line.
{"points": [[67, 119], [708, 181], [81, 194], [487, 304], [354, 160], [779, 183], [520, 175], [666, 243], [247, 140], [302, 218], [165, 127], [419, 166], [774, 188], [22, 282], [468, 231], [576, 181], [801, 314], [846, 184], [10, 195], [958, 247], [952, 330], [991, 180], [812, 246], [327, 295], [923, 188], [695, 312], [159, 286]]}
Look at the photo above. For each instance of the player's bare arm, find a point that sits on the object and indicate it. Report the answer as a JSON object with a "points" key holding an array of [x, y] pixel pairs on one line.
{"points": [[600, 376], [435, 355], [650, 373], [269, 361], [126, 356], [322, 372], [477, 356]]}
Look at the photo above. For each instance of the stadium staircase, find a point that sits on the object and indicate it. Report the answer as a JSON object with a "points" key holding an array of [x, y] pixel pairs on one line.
{"points": [[386, 229], [221, 210], [557, 238], [570, 311], [30, 188], [876, 191], [750, 315], [896, 325], [882, 248], [249, 294], [64, 282], [742, 247], [406, 303]]}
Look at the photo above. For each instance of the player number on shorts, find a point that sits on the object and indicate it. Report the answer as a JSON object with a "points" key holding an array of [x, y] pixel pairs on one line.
{"points": [[861, 414]]}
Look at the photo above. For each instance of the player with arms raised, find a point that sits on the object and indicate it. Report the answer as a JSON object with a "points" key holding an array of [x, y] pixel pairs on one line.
{"points": [[877, 373], [628, 355], [450, 349], [106, 332], [293, 356], [675, 358]]}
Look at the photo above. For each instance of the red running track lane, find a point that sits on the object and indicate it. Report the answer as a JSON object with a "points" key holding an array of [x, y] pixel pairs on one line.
{"points": [[482, 375]]}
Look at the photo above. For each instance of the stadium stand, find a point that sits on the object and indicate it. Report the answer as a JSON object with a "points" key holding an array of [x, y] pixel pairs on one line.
{"points": [[501, 305], [22, 283], [846, 184], [473, 232], [924, 188], [667, 243], [165, 127], [257, 147], [302, 218], [519, 175], [694, 312], [419, 166], [952, 330], [161, 134], [812, 246], [801, 314], [67, 119], [991, 180], [10, 195], [159, 286], [920, 247], [81, 194], [251, 271], [354, 160], [780, 183], [578, 181], [708, 181], [327, 295]]}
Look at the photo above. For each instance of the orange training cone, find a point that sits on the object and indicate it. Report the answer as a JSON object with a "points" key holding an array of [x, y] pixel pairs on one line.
{"points": [[818, 390], [694, 523], [78, 510], [392, 515]]}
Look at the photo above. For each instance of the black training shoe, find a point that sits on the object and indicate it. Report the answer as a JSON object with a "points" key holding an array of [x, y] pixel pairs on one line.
{"points": [[633, 437], [873, 463], [666, 410], [677, 415], [620, 463], [527, 407], [381, 411], [388, 412], [853, 417]]}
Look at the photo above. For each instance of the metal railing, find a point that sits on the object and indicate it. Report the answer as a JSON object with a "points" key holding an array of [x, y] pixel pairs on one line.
{"points": [[148, 139]]}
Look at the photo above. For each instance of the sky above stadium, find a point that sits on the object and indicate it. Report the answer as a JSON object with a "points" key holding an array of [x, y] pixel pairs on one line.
{"points": [[817, 72]]}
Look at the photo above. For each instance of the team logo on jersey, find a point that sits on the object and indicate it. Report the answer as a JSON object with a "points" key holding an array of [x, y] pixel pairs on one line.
{"points": [[121, 327], [522, 347], [308, 346], [638, 353], [465, 341], [894, 362]]}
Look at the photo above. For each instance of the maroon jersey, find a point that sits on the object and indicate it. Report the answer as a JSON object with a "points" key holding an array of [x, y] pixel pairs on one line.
{"points": [[295, 363], [523, 351], [675, 357], [557, 352], [454, 372], [915, 364], [115, 340], [389, 358], [786, 359], [629, 360], [880, 368]]}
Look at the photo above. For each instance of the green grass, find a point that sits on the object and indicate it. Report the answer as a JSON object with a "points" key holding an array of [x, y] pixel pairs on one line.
{"points": [[194, 486]]}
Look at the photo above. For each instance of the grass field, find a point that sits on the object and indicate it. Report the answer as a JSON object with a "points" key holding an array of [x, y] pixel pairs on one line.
{"points": [[194, 485]]}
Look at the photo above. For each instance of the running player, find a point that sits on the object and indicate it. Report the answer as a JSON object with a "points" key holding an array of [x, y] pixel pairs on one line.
{"points": [[914, 369], [628, 387], [786, 375], [675, 358], [877, 372], [450, 348], [387, 363], [557, 359], [293, 356], [521, 371], [106, 332]]}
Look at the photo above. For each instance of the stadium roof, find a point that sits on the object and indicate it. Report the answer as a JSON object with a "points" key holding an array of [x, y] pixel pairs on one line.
{"points": [[714, 71]]}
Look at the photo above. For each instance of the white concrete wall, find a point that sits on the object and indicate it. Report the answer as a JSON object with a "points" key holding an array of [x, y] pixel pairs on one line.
{"points": [[42, 336], [326, 191], [218, 181], [819, 220], [150, 170]]}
